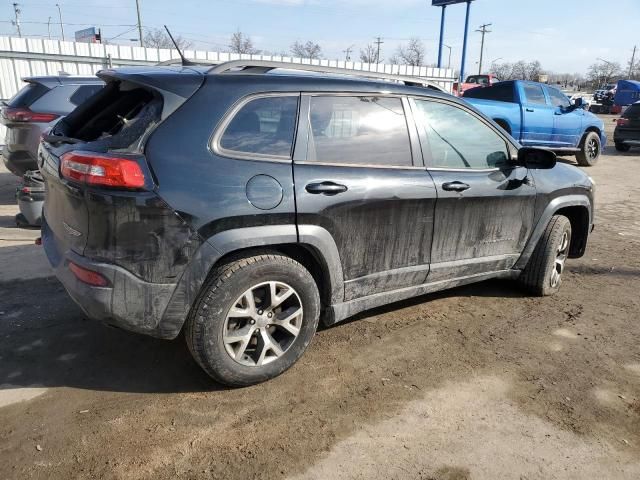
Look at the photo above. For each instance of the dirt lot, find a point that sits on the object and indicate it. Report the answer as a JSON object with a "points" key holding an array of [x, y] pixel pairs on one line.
{"points": [[479, 382]]}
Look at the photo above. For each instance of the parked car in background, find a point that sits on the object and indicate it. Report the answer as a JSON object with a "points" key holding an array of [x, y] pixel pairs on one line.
{"points": [[36, 108], [602, 92], [540, 115], [627, 132], [474, 81], [242, 203]]}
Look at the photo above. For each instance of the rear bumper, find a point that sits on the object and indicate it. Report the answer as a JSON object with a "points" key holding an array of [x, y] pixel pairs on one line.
{"points": [[129, 303], [19, 162]]}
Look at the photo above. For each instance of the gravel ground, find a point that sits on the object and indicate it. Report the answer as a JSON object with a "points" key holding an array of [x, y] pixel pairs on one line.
{"points": [[479, 382]]}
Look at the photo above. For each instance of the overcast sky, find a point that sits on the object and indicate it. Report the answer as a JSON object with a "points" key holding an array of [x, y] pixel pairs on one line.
{"points": [[564, 35]]}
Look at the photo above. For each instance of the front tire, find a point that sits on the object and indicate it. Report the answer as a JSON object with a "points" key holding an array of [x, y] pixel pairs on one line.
{"points": [[543, 274], [590, 149], [254, 319]]}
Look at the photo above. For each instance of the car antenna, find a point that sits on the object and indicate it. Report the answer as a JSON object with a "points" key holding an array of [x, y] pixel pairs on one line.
{"points": [[185, 62]]}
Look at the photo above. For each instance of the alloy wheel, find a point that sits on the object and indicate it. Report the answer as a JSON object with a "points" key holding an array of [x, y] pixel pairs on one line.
{"points": [[263, 323], [593, 149], [559, 262]]}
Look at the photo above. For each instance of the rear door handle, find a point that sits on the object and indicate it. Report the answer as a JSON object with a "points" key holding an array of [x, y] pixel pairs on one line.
{"points": [[325, 188], [455, 186], [529, 109]]}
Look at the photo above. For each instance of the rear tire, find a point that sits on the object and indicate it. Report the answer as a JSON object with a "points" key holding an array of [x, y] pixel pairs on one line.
{"points": [[543, 274], [254, 319], [621, 147], [590, 149]]}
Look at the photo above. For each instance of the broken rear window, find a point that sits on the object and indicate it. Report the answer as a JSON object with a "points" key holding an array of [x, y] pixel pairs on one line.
{"points": [[117, 117]]}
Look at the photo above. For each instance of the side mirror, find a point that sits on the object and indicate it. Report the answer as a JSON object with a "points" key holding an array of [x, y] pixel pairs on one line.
{"points": [[539, 158]]}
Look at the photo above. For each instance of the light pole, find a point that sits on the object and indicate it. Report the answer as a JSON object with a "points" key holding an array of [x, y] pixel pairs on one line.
{"points": [[61, 24], [448, 64], [608, 74]]}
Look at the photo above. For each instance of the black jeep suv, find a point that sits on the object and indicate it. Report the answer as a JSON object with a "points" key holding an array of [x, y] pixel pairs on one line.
{"points": [[245, 202]]}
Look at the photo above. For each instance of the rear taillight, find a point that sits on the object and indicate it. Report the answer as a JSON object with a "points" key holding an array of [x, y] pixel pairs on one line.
{"points": [[87, 276], [622, 122], [98, 169], [26, 115]]}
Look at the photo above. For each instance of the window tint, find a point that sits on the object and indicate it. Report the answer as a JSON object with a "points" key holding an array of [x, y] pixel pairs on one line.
{"points": [[264, 126], [359, 130], [632, 112], [27, 95], [479, 79], [558, 99], [534, 94], [82, 93], [501, 92], [458, 139]]}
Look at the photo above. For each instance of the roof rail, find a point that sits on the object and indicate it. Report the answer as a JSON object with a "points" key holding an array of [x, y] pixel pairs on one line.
{"points": [[264, 66], [178, 61]]}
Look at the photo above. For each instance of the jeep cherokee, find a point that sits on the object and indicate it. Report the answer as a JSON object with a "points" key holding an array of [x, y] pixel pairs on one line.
{"points": [[244, 203]]}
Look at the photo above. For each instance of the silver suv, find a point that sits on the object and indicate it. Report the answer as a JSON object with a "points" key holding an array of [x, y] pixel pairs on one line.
{"points": [[35, 108]]}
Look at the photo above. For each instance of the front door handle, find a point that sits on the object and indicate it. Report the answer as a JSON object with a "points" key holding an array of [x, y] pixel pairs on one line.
{"points": [[455, 186], [529, 109], [325, 188]]}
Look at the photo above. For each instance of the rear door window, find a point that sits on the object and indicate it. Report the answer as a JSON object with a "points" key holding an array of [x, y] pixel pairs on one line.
{"points": [[27, 95], [534, 94], [358, 130], [262, 127]]}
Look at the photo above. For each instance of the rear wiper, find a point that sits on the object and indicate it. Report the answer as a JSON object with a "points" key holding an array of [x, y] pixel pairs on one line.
{"points": [[60, 139]]}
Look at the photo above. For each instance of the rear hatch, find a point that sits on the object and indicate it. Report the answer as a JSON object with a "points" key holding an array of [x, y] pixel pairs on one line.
{"points": [[23, 124], [114, 123], [629, 124]]}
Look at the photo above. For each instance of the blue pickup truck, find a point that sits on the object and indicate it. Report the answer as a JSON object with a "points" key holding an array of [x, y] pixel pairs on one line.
{"points": [[540, 115]]}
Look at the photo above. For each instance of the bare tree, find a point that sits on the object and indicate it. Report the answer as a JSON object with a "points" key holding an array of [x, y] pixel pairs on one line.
{"points": [[603, 72], [241, 43], [309, 49], [413, 53], [504, 71], [520, 70], [369, 54], [158, 38]]}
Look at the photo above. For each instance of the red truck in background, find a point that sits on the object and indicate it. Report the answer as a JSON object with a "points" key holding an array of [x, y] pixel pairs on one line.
{"points": [[474, 81]]}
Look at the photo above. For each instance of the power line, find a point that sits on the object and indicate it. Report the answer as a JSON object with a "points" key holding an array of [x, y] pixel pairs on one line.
{"points": [[484, 31]]}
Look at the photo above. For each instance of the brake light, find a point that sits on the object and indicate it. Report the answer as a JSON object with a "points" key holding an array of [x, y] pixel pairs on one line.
{"points": [[99, 169], [88, 276], [622, 122], [21, 114]]}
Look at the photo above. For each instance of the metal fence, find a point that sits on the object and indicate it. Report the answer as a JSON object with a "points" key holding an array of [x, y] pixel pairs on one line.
{"points": [[24, 57]]}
